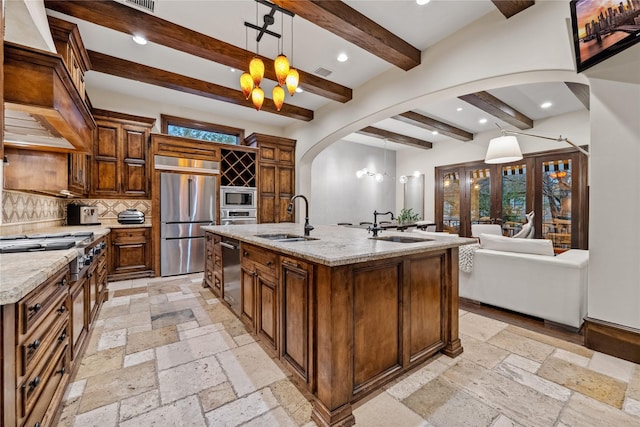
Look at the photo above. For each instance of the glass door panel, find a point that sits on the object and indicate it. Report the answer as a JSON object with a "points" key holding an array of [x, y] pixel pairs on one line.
{"points": [[480, 190], [451, 202], [556, 202], [514, 198]]}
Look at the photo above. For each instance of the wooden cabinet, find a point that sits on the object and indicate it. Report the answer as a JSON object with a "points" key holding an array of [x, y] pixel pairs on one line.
{"points": [[296, 282], [66, 37], [276, 176], [78, 174], [36, 353], [79, 317], [238, 167], [213, 273], [120, 162], [130, 253]]}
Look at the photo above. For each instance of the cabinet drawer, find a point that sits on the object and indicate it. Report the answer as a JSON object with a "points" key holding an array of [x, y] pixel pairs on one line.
{"points": [[129, 236], [35, 306], [261, 258], [47, 375], [48, 334]]}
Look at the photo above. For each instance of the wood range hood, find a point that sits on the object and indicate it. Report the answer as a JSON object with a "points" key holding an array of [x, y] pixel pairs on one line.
{"points": [[43, 109]]}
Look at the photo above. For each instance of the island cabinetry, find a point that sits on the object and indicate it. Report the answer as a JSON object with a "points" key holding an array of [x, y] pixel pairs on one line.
{"points": [[130, 253], [296, 284], [213, 263], [276, 176], [259, 293], [79, 322], [120, 162], [36, 353]]}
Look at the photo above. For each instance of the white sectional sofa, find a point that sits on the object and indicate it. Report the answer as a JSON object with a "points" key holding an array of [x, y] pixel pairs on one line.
{"points": [[553, 288]]}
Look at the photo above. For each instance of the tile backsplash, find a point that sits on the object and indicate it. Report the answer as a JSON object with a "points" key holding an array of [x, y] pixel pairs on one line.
{"points": [[22, 212]]}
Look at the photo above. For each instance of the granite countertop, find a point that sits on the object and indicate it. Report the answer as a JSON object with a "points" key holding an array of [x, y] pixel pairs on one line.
{"points": [[337, 245], [20, 273]]}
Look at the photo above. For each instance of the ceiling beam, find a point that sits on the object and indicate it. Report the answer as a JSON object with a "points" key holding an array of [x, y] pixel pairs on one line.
{"points": [[127, 20], [417, 119], [511, 7], [395, 137], [130, 70], [492, 105], [346, 22], [581, 91]]}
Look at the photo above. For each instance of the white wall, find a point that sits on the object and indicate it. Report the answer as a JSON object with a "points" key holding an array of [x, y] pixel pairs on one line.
{"points": [[337, 195], [614, 234], [574, 126]]}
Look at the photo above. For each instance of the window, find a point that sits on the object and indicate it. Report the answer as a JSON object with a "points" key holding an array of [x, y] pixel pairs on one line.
{"points": [[514, 198], [187, 128]]}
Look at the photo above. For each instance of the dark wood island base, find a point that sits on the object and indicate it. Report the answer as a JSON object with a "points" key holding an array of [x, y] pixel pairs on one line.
{"points": [[343, 331]]}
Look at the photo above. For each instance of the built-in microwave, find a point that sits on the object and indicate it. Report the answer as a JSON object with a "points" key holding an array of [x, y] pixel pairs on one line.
{"points": [[238, 197]]}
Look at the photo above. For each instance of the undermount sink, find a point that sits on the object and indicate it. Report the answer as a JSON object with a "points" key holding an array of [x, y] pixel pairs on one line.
{"points": [[285, 237], [402, 239]]}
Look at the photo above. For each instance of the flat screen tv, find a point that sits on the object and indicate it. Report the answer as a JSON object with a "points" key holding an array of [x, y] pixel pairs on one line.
{"points": [[602, 28]]}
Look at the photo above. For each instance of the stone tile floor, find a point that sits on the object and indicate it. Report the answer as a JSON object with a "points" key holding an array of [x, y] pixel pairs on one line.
{"points": [[166, 352]]}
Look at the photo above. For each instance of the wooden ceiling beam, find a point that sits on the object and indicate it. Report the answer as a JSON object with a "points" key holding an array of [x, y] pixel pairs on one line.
{"points": [[346, 22], [492, 105], [581, 91], [417, 119], [511, 7], [118, 17], [130, 70], [395, 137]]}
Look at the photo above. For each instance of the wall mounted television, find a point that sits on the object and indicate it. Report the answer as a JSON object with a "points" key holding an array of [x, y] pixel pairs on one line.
{"points": [[602, 28]]}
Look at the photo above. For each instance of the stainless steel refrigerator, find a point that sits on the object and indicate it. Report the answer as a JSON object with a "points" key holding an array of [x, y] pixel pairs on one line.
{"points": [[187, 202]]}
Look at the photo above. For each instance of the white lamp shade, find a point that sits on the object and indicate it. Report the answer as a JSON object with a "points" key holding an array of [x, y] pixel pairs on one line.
{"points": [[504, 149]]}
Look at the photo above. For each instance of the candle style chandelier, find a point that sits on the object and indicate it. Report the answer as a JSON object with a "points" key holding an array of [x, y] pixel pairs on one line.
{"points": [[285, 74]]}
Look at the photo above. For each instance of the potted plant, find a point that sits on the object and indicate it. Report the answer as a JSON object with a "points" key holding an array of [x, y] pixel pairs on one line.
{"points": [[407, 216]]}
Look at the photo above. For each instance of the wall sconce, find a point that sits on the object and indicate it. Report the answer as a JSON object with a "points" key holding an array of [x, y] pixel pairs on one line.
{"points": [[404, 178]]}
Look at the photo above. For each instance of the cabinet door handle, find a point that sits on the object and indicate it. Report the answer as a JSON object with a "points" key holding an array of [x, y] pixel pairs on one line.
{"points": [[291, 264], [63, 282], [61, 371], [62, 309], [269, 263], [34, 345], [62, 337], [245, 253], [34, 382], [255, 273], [35, 308]]}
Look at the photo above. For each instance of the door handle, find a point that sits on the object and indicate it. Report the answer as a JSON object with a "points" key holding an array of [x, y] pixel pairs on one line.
{"points": [[227, 245], [189, 194]]}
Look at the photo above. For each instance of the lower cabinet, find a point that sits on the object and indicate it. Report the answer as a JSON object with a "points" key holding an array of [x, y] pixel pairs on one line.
{"points": [[130, 253], [79, 322], [213, 264]]}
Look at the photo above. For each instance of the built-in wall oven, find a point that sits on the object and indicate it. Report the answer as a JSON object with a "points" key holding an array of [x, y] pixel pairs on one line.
{"points": [[238, 205]]}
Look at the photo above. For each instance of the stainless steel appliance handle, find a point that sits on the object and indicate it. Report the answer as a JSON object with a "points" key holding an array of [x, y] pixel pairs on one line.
{"points": [[189, 200], [228, 246]]}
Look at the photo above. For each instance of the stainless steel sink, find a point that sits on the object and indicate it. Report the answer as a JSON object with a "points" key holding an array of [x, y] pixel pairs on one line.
{"points": [[402, 239], [285, 237]]}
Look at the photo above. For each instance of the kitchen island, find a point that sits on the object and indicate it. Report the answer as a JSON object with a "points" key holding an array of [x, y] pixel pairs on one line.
{"points": [[344, 312]]}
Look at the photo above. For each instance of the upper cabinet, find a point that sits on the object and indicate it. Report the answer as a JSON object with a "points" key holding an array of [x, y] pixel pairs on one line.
{"points": [[276, 176], [120, 162]]}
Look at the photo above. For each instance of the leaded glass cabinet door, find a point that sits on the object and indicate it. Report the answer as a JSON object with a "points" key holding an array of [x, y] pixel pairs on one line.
{"points": [[514, 198]]}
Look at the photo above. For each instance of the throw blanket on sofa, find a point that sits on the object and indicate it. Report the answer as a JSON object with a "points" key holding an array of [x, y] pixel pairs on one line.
{"points": [[465, 257]]}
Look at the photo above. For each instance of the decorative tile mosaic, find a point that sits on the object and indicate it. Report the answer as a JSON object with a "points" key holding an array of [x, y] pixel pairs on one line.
{"points": [[109, 208], [18, 207]]}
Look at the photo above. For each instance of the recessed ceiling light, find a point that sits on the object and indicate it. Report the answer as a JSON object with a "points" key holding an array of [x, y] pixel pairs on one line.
{"points": [[435, 132], [459, 109], [342, 57], [482, 121], [422, 2], [233, 70], [139, 40], [546, 104], [299, 90]]}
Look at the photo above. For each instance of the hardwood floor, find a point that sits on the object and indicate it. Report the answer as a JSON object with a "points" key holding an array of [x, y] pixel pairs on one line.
{"points": [[524, 321]]}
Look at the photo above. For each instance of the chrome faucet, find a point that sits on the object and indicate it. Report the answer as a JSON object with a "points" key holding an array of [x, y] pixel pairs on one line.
{"points": [[375, 227], [307, 227]]}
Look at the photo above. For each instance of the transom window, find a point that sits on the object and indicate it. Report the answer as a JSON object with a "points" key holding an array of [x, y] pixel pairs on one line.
{"points": [[178, 126]]}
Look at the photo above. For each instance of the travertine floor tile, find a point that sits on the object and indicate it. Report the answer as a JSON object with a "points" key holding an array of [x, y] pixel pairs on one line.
{"points": [[113, 386], [584, 411], [571, 357], [129, 291], [74, 390], [105, 416], [172, 318], [112, 339], [198, 331], [126, 321], [98, 363], [482, 353], [480, 328], [243, 339], [503, 421], [533, 381], [249, 368], [552, 341], [242, 410], [408, 384], [195, 348], [590, 383], [139, 404], [612, 366], [443, 404], [216, 396], [522, 363], [122, 284], [631, 406], [139, 357], [292, 401], [518, 402], [155, 338], [523, 346], [190, 378], [183, 413], [633, 390], [275, 417]]}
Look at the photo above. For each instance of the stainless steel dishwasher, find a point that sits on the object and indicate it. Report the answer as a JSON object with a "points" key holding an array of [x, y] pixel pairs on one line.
{"points": [[231, 272]]}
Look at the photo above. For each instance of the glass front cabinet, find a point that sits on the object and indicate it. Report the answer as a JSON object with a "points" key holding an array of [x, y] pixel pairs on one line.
{"points": [[552, 184]]}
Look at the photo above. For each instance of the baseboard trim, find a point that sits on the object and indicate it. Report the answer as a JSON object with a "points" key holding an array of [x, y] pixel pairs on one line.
{"points": [[613, 339]]}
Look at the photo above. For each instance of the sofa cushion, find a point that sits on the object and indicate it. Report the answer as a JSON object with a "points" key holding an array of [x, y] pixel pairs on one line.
{"points": [[508, 244]]}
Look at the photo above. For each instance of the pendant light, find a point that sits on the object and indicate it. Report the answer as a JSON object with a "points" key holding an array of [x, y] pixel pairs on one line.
{"points": [[278, 96], [256, 69], [246, 83], [257, 97]]}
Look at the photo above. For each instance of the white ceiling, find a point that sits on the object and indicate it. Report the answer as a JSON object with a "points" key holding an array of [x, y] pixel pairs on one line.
{"points": [[314, 47]]}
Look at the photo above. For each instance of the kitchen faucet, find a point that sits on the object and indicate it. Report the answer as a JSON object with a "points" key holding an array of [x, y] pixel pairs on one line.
{"points": [[375, 227], [307, 227]]}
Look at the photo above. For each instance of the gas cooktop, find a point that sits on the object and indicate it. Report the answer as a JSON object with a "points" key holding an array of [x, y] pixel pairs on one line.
{"points": [[43, 242]]}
